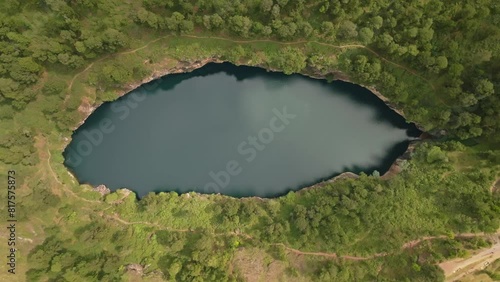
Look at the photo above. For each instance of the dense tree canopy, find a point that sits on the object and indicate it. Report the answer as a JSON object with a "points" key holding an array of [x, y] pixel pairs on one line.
{"points": [[457, 43], [437, 61]]}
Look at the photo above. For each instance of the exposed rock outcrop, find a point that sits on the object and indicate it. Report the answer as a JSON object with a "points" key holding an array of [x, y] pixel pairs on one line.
{"points": [[135, 267], [102, 189], [184, 66]]}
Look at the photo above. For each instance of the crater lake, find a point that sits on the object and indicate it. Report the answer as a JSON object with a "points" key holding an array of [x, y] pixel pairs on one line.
{"points": [[236, 130]]}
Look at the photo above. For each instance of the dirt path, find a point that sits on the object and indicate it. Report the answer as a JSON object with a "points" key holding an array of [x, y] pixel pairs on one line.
{"points": [[319, 43], [44, 155], [297, 251], [345, 46], [122, 221], [41, 143], [142, 47], [495, 186], [41, 82], [457, 268], [413, 243], [328, 255], [70, 86]]}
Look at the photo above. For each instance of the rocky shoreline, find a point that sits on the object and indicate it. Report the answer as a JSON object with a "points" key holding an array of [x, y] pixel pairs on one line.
{"points": [[182, 67]]}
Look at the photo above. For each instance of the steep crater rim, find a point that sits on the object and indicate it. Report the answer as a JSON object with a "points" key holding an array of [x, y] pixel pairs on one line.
{"points": [[412, 129]]}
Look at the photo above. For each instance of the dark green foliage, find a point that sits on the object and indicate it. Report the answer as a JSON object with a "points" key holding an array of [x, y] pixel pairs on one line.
{"points": [[437, 61], [290, 60], [54, 87], [427, 37], [204, 258], [16, 147]]}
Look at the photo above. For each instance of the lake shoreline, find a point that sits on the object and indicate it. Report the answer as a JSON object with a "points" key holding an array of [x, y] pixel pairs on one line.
{"points": [[191, 66], [87, 109]]}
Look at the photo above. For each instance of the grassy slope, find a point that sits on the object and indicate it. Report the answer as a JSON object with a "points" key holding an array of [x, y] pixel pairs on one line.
{"points": [[82, 207]]}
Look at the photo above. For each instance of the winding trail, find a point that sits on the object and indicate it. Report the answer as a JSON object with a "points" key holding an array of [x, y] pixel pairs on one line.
{"points": [[457, 268], [70, 86], [407, 245], [292, 250], [346, 46], [495, 186], [329, 255], [413, 243], [43, 143], [315, 42]]}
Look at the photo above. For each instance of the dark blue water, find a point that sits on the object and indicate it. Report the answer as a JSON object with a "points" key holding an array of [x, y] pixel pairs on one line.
{"points": [[239, 131]]}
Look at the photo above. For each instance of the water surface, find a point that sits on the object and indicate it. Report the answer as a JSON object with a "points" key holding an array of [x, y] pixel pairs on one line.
{"points": [[239, 131]]}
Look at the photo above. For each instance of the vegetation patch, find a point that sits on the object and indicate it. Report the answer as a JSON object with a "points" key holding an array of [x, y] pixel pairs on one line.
{"points": [[436, 61]]}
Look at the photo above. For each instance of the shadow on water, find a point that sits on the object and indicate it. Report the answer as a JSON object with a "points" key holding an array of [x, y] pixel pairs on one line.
{"points": [[355, 93], [274, 80], [385, 164]]}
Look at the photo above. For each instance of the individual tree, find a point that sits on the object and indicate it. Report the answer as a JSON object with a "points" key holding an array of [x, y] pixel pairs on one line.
{"points": [[366, 35], [425, 35], [8, 88], [93, 45], [284, 30], [328, 29], [25, 70], [80, 47], [385, 40], [145, 17], [186, 26], [216, 21], [207, 22], [235, 54], [413, 50], [240, 25], [113, 39], [290, 60], [484, 88], [377, 22], [174, 268], [282, 3], [455, 70], [435, 154], [275, 11], [441, 62], [257, 28], [172, 23], [54, 87], [412, 32], [266, 5], [467, 99], [306, 28]]}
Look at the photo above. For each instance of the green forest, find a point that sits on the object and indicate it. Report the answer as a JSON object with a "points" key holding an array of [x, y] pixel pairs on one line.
{"points": [[436, 61]]}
